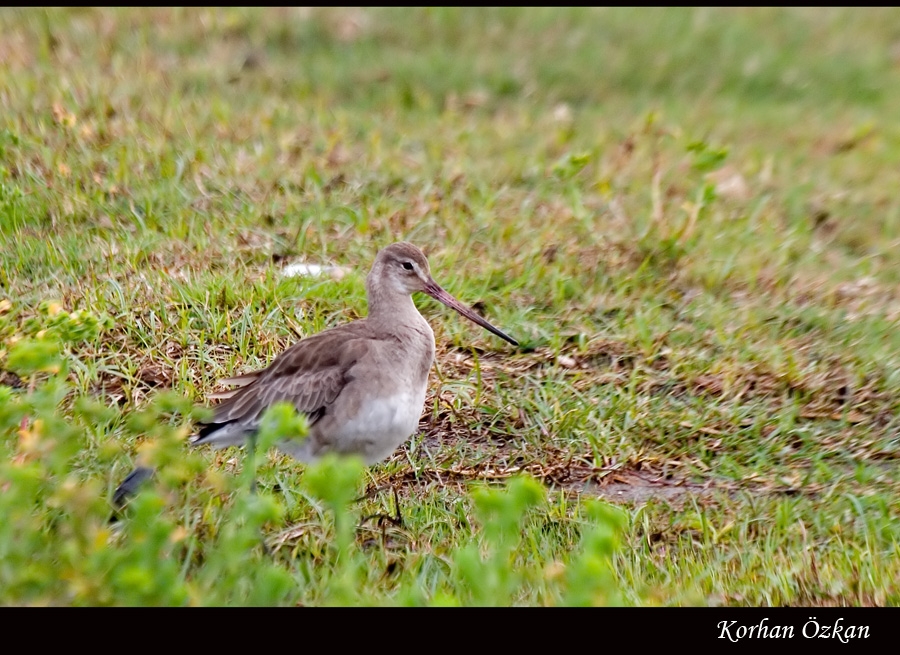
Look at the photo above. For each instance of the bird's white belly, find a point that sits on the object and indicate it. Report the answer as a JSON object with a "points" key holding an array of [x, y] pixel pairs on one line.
{"points": [[381, 425]]}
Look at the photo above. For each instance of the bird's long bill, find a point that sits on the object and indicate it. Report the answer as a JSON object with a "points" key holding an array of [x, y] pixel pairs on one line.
{"points": [[435, 291]]}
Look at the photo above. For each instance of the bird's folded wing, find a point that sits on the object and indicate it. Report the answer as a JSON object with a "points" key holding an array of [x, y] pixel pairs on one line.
{"points": [[309, 375]]}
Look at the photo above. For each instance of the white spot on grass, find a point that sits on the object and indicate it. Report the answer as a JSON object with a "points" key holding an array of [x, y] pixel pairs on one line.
{"points": [[305, 269]]}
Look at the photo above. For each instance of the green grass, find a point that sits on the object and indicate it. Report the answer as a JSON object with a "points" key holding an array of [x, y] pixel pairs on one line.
{"points": [[688, 218]]}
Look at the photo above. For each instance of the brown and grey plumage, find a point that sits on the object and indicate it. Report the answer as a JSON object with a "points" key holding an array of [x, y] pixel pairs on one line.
{"points": [[361, 385]]}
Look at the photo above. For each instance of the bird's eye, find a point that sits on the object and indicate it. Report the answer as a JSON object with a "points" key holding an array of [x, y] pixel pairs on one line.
{"points": [[408, 266]]}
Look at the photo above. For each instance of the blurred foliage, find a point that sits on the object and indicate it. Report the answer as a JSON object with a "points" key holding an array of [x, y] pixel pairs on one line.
{"points": [[58, 547]]}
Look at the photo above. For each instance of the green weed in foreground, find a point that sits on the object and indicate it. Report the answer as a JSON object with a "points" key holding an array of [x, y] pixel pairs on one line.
{"points": [[58, 547]]}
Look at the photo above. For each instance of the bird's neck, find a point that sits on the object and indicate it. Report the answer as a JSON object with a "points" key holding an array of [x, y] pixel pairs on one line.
{"points": [[392, 308]]}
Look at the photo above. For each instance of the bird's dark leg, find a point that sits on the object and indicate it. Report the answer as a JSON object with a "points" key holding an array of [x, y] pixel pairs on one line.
{"points": [[399, 518], [129, 488], [251, 446], [397, 521]]}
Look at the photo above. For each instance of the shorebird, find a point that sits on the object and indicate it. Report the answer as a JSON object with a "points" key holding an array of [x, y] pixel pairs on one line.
{"points": [[361, 385]]}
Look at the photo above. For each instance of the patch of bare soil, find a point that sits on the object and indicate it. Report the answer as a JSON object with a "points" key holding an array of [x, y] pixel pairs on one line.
{"points": [[631, 488], [610, 483], [10, 379], [122, 388]]}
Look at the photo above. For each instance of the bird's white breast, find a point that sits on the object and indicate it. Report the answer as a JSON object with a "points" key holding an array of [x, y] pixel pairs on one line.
{"points": [[382, 424]]}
